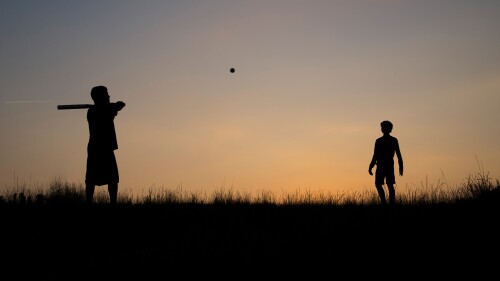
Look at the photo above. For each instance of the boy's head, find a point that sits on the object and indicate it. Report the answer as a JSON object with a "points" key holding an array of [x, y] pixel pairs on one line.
{"points": [[100, 94], [386, 126]]}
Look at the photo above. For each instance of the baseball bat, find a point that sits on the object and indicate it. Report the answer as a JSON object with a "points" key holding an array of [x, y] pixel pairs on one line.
{"points": [[73, 106]]}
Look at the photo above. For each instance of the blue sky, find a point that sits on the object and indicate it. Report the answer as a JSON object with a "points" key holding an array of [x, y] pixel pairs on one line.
{"points": [[313, 81]]}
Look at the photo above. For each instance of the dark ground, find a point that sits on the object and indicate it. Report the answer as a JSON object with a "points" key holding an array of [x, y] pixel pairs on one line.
{"points": [[250, 242]]}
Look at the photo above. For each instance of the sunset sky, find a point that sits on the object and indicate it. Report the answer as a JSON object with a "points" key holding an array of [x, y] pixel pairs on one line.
{"points": [[313, 81]]}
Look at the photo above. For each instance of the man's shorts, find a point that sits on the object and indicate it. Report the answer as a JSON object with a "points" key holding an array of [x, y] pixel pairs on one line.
{"points": [[385, 174], [101, 167]]}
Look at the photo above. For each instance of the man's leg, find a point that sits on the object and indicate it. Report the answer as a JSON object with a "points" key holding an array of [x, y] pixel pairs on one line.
{"points": [[392, 193], [89, 192], [381, 193], [113, 192]]}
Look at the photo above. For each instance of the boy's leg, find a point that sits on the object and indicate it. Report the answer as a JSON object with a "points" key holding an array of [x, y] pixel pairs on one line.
{"points": [[89, 192], [392, 193], [381, 193], [113, 192]]}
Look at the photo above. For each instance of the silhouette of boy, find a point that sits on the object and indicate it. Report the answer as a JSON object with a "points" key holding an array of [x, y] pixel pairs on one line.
{"points": [[101, 162], [383, 156]]}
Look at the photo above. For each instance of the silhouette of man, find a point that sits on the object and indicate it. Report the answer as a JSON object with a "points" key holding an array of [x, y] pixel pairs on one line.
{"points": [[101, 162], [383, 156]]}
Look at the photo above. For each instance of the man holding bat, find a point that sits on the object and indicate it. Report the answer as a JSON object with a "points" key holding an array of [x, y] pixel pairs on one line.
{"points": [[101, 162]]}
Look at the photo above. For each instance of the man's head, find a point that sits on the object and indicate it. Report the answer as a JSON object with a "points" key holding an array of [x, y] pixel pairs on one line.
{"points": [[100, 94], [386, 126]]}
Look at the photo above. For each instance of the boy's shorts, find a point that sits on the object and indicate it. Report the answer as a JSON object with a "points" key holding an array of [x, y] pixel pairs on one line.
{"points": [[385, 174]]}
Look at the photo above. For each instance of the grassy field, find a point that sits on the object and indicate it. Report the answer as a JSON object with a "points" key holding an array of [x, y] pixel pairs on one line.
{"points": [[51, 234]]}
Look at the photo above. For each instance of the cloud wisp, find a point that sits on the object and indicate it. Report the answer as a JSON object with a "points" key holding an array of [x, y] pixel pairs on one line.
{"points": [[27, 101]]}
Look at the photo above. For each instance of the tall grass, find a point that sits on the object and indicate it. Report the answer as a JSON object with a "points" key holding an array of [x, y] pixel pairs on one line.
{"points": [[476, 186]]}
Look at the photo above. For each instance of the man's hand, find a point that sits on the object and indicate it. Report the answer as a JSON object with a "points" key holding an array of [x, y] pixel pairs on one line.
{"points": [[120, 105], [370, 171], [401, 171]]}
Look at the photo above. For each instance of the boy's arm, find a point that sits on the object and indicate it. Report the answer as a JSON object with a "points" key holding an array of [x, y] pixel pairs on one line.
{"points": [[400, 159], [374, 160]]}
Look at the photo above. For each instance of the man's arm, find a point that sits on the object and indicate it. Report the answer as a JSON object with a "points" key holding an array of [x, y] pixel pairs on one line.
{"points": [[114, 107], [119, 105]]}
